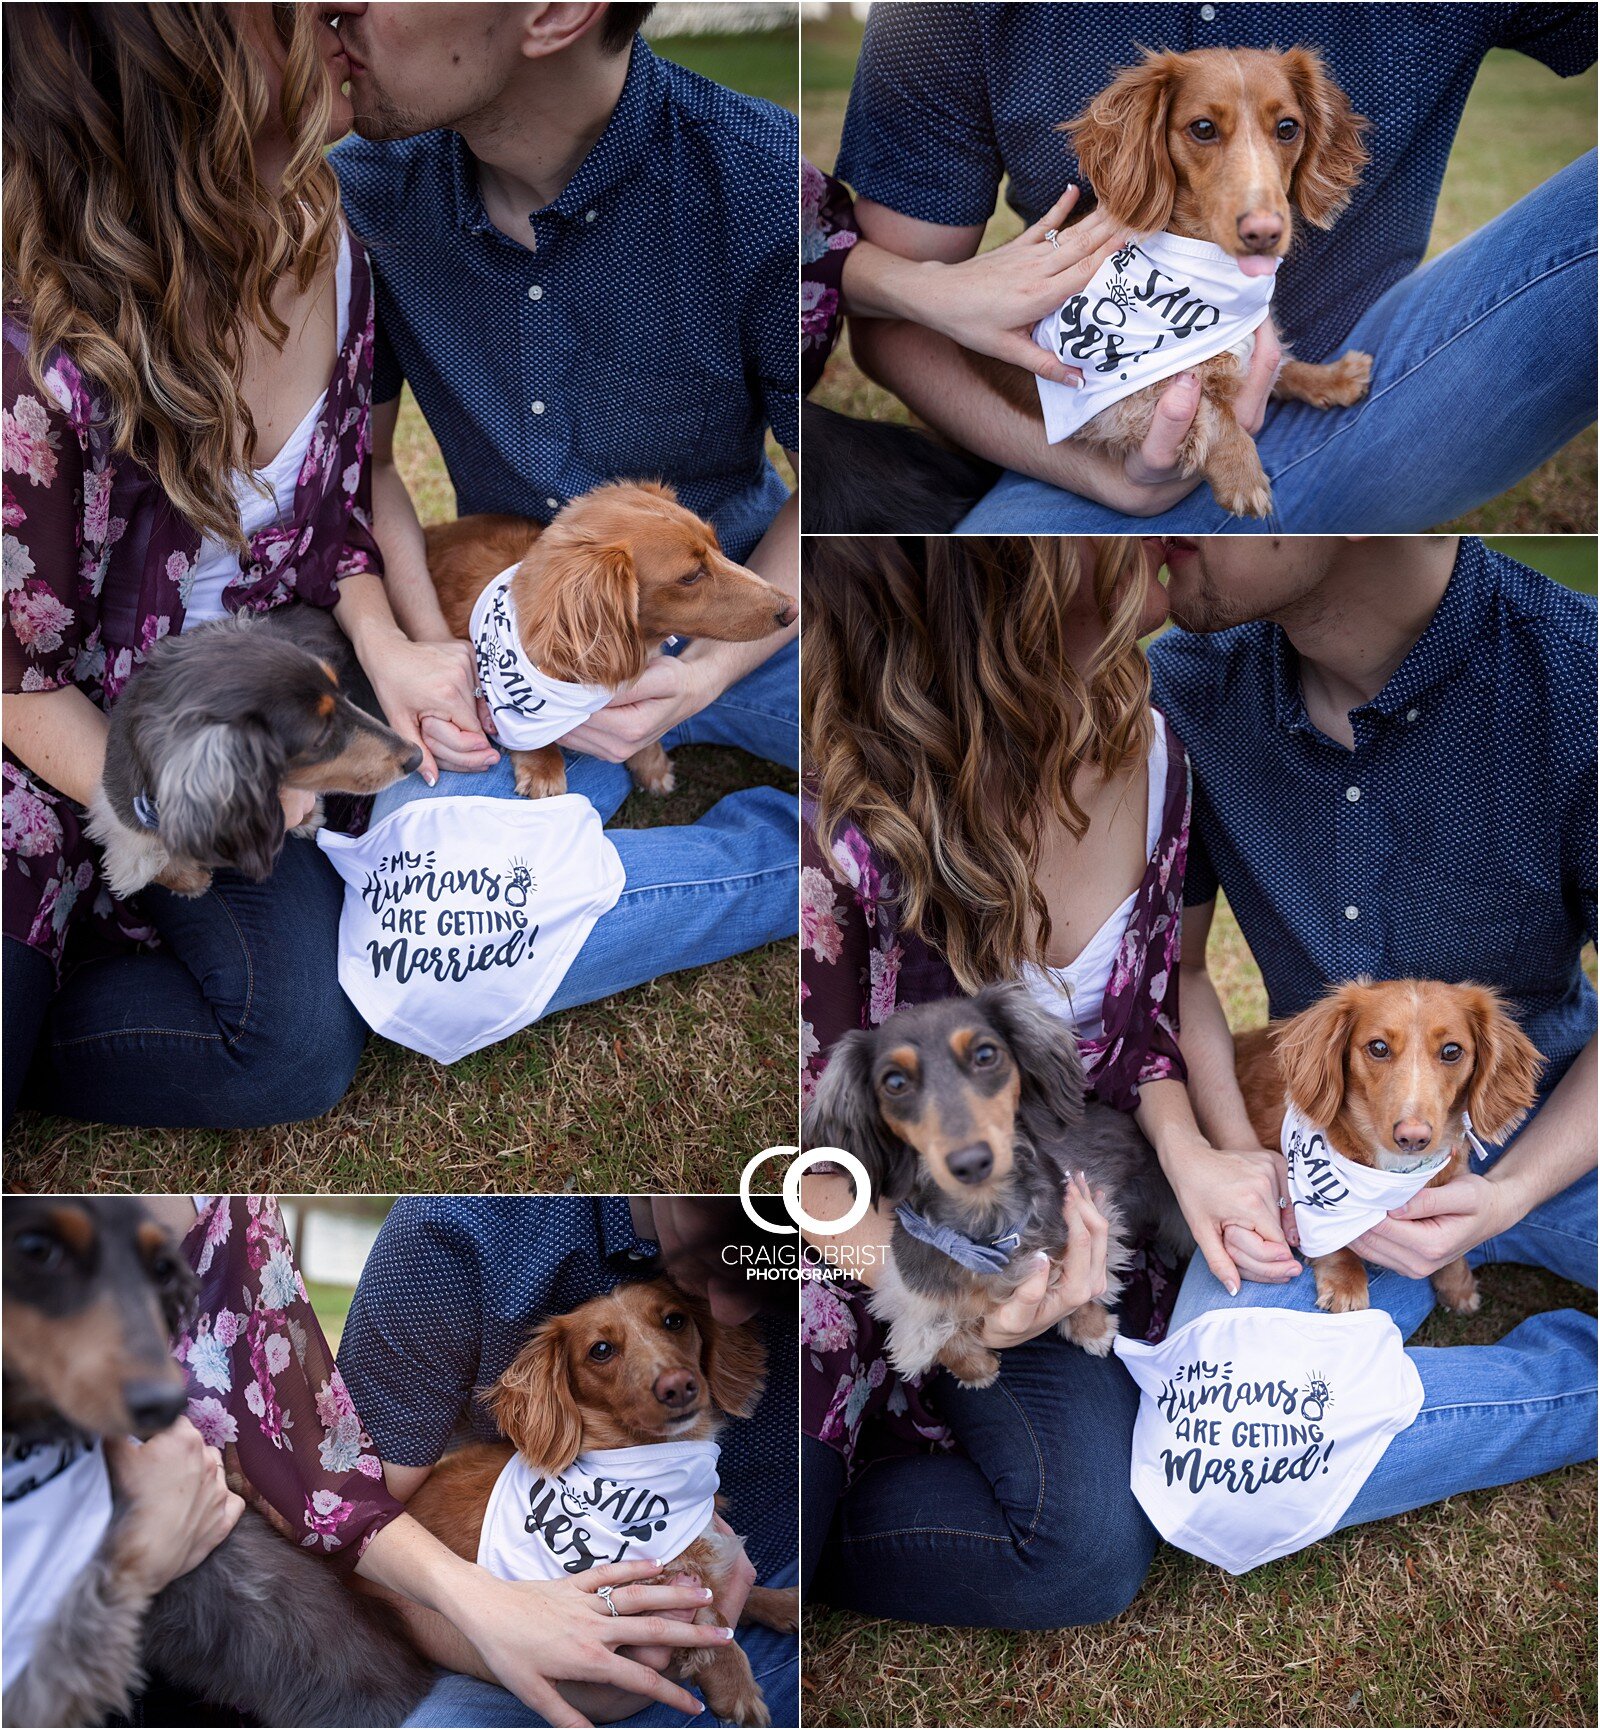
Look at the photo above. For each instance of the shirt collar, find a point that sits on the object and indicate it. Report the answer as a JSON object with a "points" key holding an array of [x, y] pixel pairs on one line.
{"points": [[1438, 654], [616, 156]]}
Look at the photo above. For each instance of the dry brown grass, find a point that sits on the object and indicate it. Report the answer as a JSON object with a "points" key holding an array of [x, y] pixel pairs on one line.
{"points": [[1478, 1611]]}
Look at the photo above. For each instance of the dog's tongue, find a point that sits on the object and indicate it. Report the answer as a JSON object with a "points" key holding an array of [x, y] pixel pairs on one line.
{"points": [[1253, 264]]}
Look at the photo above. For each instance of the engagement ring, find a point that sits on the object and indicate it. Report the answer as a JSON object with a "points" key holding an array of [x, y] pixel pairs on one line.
{"points": [[605, 1594], [1051, 235]]}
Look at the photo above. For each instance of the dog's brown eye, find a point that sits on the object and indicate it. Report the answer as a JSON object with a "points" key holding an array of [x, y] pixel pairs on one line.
{"points": [[896, 1081], [673, 1321], [40, 1248], [985, 1056], [1377, 1048], [601, 1350], [1288, 130], [1451, 1053], [689, 581], [1203, 131]]}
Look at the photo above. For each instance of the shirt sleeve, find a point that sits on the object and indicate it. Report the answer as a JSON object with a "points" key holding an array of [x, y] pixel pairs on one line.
{"points": [[770, 349], [411, 1343], [387, 373], [1581, 863], [1200, 878], [1561, 37], [918, 134], [836, 958], [50, 614], [263, 1386]]}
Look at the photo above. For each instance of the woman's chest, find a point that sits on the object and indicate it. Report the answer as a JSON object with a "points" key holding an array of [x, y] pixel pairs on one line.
{"points": [[1085, 879]]}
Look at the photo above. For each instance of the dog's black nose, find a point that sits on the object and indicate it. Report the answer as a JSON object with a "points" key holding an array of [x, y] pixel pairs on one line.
{"points": [[153, 1405], [971, 1164], [413, 760], [676, 1389]]}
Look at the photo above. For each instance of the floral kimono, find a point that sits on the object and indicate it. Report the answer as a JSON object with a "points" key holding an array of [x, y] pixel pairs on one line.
{"points": [[98, 567], [827, 232]]}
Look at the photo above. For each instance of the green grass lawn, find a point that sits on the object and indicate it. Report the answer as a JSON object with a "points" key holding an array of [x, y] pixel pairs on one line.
{"points": [[1522, 123], [1478, 1611], [669, 1087]]}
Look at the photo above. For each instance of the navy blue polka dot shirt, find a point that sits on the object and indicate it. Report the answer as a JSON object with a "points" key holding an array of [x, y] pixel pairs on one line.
{"points": [[454, 1286], [1456, 842], [648, 335], [948, 99]]}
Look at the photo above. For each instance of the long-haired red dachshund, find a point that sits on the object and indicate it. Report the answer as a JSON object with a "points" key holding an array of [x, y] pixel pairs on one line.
{"points": [[598, 592], [642, 1364], [1391, 1071], [1226, 146]]}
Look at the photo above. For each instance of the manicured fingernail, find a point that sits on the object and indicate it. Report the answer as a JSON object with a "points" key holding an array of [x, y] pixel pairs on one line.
{"points": [[431, 776], [1233, 1288], [724, 1633], [705, 1592]]}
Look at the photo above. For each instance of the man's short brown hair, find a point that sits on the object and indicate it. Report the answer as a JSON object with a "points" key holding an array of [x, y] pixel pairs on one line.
{"points": [[622, 24]]}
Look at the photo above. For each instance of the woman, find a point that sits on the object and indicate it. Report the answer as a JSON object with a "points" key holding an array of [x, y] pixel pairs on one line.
{"points": [[992, 797], [188, 364]]}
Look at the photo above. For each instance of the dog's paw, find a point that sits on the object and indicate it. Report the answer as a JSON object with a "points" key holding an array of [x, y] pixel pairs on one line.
{"points": [[651, 769], [1349, 379], [1092, 1328], [1457, 1289], [1251, 499], [539, 774], [188, 880], [1340, 1298]]}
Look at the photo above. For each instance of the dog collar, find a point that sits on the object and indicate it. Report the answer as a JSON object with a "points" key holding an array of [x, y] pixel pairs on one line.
{"points": [[990, 1257], [144, 811]]}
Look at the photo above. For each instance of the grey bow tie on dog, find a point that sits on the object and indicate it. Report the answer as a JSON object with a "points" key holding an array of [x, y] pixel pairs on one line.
{"points": [[976, 1257]]}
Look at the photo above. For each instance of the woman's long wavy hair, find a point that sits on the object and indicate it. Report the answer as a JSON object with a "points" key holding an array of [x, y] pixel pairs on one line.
{"points": [[943, 719], [139, 234]]}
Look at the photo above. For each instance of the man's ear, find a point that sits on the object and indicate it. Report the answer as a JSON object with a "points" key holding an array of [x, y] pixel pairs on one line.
{"points": [[533, 1404], [550, 30], [844, 1113]]}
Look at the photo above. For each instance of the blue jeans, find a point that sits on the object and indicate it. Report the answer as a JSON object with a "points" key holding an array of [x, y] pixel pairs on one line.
{"points": [[775, 1659], [696, 892], [237, 1020], [1483, 367], [1032, 1525], [1491, 1414]]}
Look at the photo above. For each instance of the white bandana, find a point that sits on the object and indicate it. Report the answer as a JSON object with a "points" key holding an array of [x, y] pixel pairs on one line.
{"points": [[530, 709], [1335, 1200], [57, 1511], [1157, 306], [462, 915], [1257, 1427], [611, 1505]]}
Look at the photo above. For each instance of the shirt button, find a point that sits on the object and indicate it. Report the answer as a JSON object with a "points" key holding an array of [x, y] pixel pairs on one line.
{"points": [[535, 292], [1411, 714], [1352, 794], [589, 215], [553, 504], [1352, 912], [1208, 13], [538, 408]]}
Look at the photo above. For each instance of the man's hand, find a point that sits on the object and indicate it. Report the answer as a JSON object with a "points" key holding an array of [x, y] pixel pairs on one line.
{"points": [[178, 1506], [1155, 463], [1232, 1199], [1053, 1290], [1438, 1225], [297, 805], [668, 691]]}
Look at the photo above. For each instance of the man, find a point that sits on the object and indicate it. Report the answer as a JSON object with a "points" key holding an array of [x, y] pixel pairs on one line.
{"points": [[447, 1299], [1394, 764], [585, 264], [949, 100]]}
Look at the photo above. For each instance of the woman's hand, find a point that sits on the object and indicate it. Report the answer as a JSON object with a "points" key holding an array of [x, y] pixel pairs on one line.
{"points": [[1152, 470], [1053, 1290], [991, 301], [429, 694], [1235, 1202], [177, 1504], [534, 1634], [298, 805]]}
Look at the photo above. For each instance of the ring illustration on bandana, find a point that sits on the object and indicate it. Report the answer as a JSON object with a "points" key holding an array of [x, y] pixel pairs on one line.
{"points": [[1155, 307]]}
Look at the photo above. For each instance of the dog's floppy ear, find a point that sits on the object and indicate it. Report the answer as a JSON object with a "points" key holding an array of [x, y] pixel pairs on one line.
{"points": [[1121, 141], [533, 1404], [844, 1113], [1045, 1049], [1313, 1048], [1505, 1067], [732, 1359], [1330, 165], [585, 626], [217, 795]]}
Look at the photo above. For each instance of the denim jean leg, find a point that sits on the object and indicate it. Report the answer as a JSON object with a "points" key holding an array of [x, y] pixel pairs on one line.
{"points": [[1464, 401]]}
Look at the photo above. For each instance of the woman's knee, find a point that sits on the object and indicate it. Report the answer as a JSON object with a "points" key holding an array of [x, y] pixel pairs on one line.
{"points": [[294, 1058], [1089, 1574]]}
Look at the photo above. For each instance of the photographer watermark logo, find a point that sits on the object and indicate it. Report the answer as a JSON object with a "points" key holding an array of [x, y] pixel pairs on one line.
{"points": [[783, 1261]]}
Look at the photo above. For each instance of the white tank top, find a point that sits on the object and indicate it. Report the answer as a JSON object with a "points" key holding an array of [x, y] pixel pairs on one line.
{"points": [[216, 566]]}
